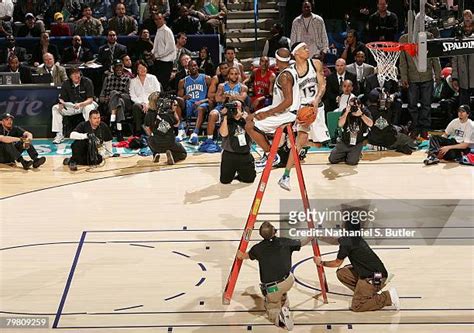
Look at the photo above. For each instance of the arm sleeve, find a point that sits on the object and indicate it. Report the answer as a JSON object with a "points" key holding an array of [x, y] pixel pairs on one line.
{"points": [[89, 88], [449, 129], [78, 136], [253, 254], [342, 253], [132, 91]]}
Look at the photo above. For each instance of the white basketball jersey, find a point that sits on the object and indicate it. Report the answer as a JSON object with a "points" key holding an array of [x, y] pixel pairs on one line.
{"points": [[308, 84], [278, 92]]}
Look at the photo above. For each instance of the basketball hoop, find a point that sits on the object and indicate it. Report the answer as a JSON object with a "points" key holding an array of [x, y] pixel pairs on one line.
{"points": [[386, 54]]}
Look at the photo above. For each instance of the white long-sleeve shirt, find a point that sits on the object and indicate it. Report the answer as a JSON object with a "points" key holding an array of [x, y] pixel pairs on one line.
{"points": [[164, 48], [139, 92]]}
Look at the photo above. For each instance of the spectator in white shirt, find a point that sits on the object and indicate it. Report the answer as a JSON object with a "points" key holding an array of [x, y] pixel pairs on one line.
{"points": [[310, 28], [6, 14], [347, 95], [164, 51], [141, 88]]}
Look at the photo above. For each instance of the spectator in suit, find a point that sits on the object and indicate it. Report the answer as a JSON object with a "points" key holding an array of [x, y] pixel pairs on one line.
{"points": [[132, 8], [15, 66], [181, 40], [205, 62], [352, 46], [122, 24], [156, 6], [57, 72], [11, 50], [59, 28], [127, 66], [88, 25], [110, 51], [383, 24], [30, 28], [334, 84], [361, 69], [181, 74], [76, 54], [43, 47]]}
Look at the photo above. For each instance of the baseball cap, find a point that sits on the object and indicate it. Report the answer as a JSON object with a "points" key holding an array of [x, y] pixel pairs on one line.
{"points": [[58, 16], [465, 108], [6, 115], [29, 15], [117, 62]]}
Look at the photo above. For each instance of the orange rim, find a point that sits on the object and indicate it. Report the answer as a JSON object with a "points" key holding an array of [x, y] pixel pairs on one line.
{"points": [[393, 47]]}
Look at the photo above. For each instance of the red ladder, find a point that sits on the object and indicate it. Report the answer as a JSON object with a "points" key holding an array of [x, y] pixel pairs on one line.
{"points": [[244, 241]]}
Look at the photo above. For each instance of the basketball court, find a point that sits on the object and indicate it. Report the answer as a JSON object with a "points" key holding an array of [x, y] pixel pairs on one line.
{"points": [[136, 247]]}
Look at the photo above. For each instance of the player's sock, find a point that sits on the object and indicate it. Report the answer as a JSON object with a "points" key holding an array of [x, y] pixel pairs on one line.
{"points": [[209, 137], [287, 173], [119, 126]]}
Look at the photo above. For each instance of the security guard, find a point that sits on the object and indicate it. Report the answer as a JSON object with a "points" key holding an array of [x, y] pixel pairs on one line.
{"points": [[274, 260], [236, 157], [13, 141]]}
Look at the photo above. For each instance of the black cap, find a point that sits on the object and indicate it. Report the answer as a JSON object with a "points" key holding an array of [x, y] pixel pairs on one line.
{"points": [[117, 62], [6, 115], [465, 108]]}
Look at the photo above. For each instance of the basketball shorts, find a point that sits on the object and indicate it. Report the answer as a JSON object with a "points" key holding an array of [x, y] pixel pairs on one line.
{"points": [[192, 110], [270, 124]]}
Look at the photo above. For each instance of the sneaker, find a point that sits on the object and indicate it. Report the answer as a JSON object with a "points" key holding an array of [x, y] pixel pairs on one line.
{"points": [[209, 146], [72, 166], [38, 162], [285, 318], [431, 160], [156, 158], [261, 162], [394, 297], [26, 164], [169, 157], [194, 139], [284, 183], [181, 135], [66, 161], [58, 138]]}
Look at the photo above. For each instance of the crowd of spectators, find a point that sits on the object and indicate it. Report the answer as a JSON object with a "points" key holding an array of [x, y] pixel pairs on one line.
{"points": [[158, 60]]}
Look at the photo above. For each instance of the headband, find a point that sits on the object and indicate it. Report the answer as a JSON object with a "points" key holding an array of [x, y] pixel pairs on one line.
{"points": [[297, 47], [282, 59]]}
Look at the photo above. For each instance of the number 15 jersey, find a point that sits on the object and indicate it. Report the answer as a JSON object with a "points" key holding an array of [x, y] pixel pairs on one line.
{"points": [[308, 84]]}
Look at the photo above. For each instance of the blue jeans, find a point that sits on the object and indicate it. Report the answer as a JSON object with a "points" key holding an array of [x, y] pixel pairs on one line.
{"points": [[421, 92]]}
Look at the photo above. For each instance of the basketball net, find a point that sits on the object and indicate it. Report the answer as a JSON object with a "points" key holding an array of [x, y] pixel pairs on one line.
{"points": [[386, 55]]}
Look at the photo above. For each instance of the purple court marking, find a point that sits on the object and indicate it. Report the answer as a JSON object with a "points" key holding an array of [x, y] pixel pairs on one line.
{"points": [[200, 282], [180, 254], [140, 245], [175, 296], [129, 307], [69, 280], [202, 266], [301, 283]]}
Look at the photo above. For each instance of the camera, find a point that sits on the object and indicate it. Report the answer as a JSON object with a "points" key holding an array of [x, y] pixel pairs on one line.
{"points": [[165, 104], [354, 103], [232, 108]]}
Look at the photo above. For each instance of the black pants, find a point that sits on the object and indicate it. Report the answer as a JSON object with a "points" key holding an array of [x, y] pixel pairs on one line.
{"points": [[242, 164], [346, 153], [138, 118], [177, 149], [438, 141], [420, 92], [162, 71], [80, 149], [11, 152]]}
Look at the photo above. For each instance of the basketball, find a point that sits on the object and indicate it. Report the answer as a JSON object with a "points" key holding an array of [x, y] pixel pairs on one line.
{"points": [[306, 115]]}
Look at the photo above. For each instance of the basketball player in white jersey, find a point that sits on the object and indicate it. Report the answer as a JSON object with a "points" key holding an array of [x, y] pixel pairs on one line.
{"points": [[312, 85], [285, 100]]}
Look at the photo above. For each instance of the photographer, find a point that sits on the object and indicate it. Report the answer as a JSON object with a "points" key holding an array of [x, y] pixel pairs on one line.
{"points": [[13, 141], [236, 157], [89, 136], [355, 123], [160, 119], [384, 133], [365, 275]]}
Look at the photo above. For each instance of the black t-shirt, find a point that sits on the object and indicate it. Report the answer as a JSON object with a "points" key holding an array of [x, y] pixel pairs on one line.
{"points": [[16, 131], [382, 133], [356, 125], [231, 142], [102, 132], [274, 257], [161, 124], [362, 257], [73, 94]]}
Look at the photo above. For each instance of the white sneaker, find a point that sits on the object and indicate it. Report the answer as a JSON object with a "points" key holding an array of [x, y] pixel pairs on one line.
{"points": [[181, 135], [285, 318], [194, 139], [284, 183], [394, 297], [58, 138]]}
